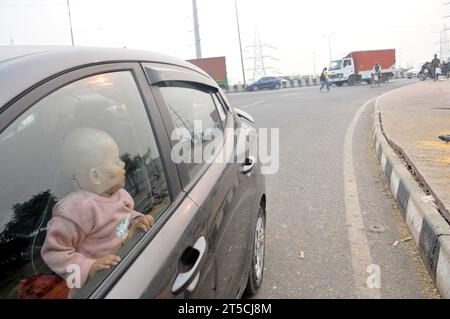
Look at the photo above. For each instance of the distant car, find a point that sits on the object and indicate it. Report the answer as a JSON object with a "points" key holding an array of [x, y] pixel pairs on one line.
{"points": [[269, 82], [412, 73]]}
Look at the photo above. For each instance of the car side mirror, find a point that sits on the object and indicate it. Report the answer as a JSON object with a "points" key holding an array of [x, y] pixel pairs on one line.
{"points": [[244, 115]]}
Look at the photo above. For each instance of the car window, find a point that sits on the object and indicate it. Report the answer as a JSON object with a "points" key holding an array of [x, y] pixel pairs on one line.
{"points": [[192, 109], [80, 170]]}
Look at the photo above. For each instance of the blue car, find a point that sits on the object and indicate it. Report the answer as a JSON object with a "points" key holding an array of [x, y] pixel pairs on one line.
{"points": [[265, 83]]}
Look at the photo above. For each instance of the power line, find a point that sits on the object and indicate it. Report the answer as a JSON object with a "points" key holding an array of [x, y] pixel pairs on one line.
{"points": [[259, 65], [445, 40]]}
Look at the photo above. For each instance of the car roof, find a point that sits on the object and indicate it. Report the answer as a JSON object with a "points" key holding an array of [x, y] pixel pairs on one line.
{"points": [[21, 67]]}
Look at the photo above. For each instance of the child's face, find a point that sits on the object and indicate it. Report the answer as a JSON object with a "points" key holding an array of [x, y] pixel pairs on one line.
{"points": [[111, 170]]}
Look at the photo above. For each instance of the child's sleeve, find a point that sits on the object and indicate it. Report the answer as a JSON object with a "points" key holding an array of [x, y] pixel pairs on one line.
{"points": [[59, 249]]}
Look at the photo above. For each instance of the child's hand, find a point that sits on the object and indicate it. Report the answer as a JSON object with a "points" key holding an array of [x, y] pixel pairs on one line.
{"points": [[142, 223], [103, 263]]}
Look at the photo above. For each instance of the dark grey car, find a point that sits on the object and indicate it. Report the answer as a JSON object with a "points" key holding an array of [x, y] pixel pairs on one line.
{"points": [[208, 237]]}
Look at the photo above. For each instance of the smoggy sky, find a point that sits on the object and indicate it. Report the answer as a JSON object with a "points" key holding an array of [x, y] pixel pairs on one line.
{"points": [[292, 29]]}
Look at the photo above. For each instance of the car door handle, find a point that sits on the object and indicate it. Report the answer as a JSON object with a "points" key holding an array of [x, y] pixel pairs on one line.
{"points": [[248, 165], [190, 278]]}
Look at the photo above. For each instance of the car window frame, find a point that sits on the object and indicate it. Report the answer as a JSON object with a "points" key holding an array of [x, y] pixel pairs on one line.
{"points": [[215, 97], [186, 182], [46, 87], [223, 99]]}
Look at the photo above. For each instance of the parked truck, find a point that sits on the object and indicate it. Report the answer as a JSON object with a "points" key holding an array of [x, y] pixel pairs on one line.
{"points": [[357, 67]]}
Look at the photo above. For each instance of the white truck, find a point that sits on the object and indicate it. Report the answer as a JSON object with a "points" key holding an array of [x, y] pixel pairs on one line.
{"points": [[358, 66]]}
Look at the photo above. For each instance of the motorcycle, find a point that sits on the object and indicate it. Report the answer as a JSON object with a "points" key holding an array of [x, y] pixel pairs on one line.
{"points": [[424, 75]]}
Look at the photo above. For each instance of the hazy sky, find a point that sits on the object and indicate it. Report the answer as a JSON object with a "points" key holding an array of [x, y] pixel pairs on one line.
{"points": [[294, 28]]}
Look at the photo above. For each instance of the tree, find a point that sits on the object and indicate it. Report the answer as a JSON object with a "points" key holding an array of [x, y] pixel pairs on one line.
{"points": [[25, 227], [132, 164]]}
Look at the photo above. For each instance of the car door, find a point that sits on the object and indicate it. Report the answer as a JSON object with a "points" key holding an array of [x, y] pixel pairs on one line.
{"points": [[225, 194], [349, 68], [274, 82], [175, 263], [265, 83], [170, 260], [234, 221]]}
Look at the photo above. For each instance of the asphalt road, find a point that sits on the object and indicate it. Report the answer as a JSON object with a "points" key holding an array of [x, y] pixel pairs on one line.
{"points": [[331, 224]]}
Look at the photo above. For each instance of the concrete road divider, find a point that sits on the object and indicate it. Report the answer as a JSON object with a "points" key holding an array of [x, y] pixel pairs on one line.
{"points": [[429, 229]]}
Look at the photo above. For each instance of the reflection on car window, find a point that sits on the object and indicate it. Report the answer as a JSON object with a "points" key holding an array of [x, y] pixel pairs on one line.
{"points": [[80, 175], [193, 108], [220, 108]]}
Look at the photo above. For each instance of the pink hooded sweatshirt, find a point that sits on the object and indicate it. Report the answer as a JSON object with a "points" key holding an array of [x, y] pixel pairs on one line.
{"points": [[85, 227]]}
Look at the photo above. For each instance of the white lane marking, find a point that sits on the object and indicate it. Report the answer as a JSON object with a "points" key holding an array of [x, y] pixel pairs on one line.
{"points": [[359, 246], [248, 105]]}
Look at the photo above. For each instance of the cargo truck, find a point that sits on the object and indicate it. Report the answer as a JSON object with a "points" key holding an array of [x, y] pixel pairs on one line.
{"points": [[357, 67]]}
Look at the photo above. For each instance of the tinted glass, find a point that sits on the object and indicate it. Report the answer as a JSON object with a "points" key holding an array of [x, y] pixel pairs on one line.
{"points": [[78, 172], [192, 107]]}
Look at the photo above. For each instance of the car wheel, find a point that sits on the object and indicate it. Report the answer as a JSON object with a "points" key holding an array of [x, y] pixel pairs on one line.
{"points": [[256, 272], [277, 86], [339, 83], [255, 88]]}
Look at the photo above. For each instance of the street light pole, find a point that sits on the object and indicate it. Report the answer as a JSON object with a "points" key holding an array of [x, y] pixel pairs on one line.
{"points": [[198, 48], [70, 21], [240, 44], [329, 43]]}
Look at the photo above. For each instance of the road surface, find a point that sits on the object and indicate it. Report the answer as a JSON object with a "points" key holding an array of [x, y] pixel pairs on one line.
{"points": [[332, 228]]}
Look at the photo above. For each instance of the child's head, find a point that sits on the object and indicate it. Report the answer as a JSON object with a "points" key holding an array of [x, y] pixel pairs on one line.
{"points": [[91, 156]]}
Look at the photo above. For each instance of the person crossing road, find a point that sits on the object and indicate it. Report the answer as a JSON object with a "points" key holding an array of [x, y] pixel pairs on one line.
{"points": [[324, 80]]}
